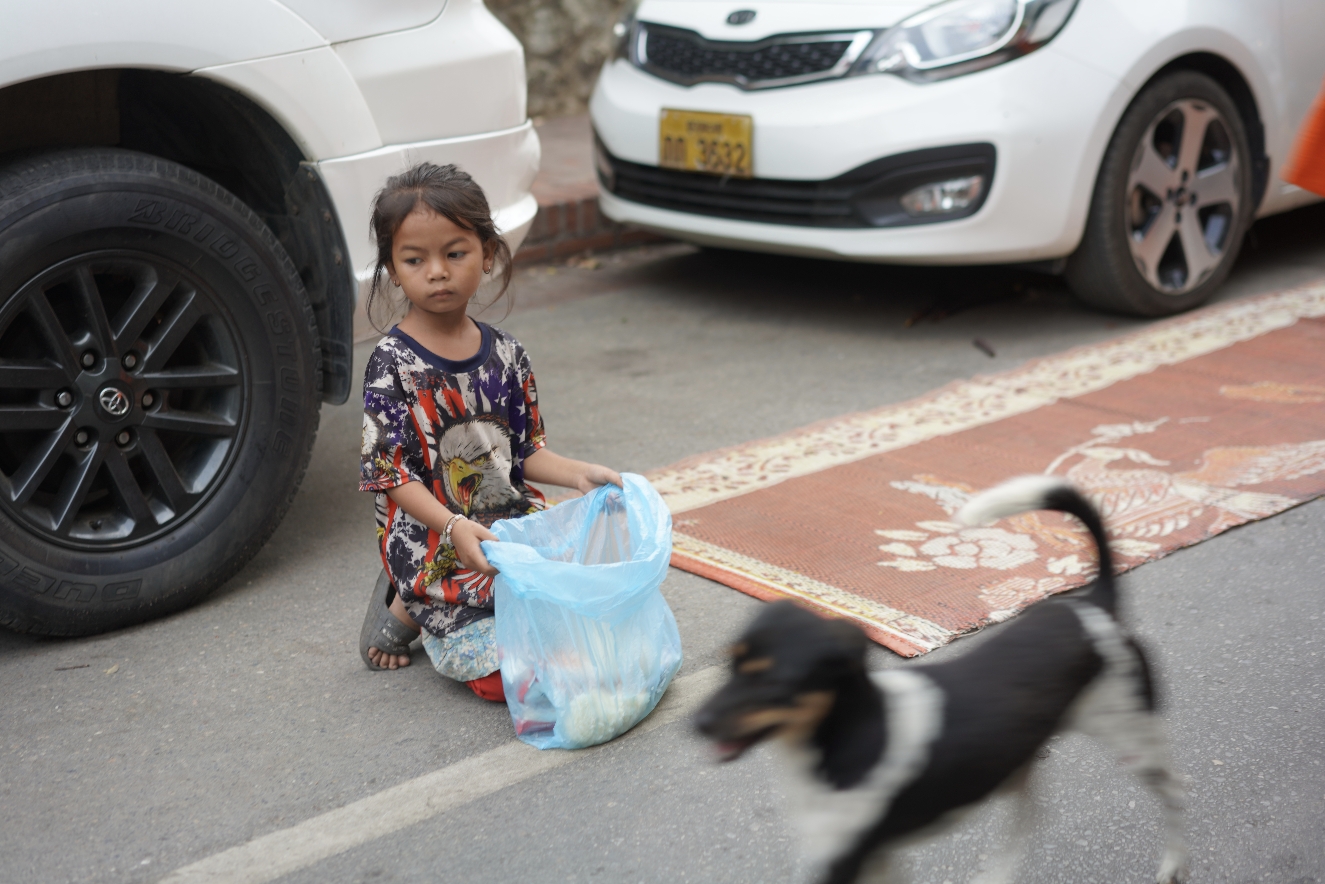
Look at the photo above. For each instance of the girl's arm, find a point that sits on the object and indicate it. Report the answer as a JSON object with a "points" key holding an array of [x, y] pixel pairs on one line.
{"points": [[418, 501], [545, 466]]}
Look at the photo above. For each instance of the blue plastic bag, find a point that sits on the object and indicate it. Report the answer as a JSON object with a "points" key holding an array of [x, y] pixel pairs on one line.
{"points": [[586, 641]]}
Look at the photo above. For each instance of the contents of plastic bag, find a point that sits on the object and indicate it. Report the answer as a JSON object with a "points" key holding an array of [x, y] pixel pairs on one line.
{"points": [[586, 641]]}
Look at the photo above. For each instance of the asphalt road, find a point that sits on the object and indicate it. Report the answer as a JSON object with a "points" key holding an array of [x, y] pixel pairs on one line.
{"points": [[252, 713]]}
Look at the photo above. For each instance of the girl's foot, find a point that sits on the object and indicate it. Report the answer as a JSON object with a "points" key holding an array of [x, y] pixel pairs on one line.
{"points": [[394, 661]]}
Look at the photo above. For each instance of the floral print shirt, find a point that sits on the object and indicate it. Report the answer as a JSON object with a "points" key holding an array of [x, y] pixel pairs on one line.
{"points": [[463, 429]]}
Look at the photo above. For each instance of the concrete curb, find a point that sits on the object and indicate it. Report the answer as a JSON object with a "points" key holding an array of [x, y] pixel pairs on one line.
{"points": [[566, 227], [566, 188]]}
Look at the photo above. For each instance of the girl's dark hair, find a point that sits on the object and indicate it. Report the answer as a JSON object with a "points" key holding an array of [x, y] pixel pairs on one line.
{"points": [[450, 193]]}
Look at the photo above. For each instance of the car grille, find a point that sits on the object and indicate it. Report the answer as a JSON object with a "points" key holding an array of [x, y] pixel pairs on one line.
{"points": [[802, 203], [867, 196], [686, 57]]}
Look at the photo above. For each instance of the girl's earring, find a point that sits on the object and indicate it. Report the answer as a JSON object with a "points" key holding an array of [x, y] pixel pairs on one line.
{"points": [[487, 269]]}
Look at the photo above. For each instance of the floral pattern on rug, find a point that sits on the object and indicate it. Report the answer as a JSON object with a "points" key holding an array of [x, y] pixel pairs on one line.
{"points": [[1138, 499]]}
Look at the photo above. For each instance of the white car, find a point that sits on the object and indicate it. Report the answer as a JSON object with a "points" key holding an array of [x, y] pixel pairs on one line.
{"points": [[1127, 142], [184, 201]]}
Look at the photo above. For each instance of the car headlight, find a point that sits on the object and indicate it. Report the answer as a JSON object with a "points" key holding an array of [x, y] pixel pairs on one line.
{"points": [[623, 31], [961, 36]]}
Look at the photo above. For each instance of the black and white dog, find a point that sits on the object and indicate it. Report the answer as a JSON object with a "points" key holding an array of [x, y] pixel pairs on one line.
{"points": [[882, 758]]}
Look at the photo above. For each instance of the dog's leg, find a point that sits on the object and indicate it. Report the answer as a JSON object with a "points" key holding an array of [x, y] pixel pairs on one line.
{"points": [[1003, 869], [1146, 756], [1163, 782], [1136, 737], [1117, 710]]}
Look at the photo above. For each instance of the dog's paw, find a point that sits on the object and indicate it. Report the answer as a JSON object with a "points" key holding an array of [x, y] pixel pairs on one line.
{"points": [[1172, 869]]}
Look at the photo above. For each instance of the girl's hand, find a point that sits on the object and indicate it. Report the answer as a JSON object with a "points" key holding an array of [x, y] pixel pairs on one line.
{"points": [[545, 466], [418, 501], [594, 475], [466, 535]]}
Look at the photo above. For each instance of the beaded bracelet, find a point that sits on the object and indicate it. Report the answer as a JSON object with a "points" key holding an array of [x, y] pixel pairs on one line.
{"points": [[450, 523]]}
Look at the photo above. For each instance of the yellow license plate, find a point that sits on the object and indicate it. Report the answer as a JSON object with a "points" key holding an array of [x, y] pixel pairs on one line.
{"points": [[718, 144]]}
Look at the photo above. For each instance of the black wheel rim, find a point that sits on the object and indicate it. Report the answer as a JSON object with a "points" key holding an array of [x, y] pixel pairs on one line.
{"points": [[122, 399]]}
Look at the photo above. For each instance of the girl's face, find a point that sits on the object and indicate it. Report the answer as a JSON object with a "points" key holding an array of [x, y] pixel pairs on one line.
{"points": [[436, 262]]}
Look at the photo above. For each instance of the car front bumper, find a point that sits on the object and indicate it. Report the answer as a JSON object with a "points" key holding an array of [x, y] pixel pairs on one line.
{"points": [[1049, 118]]}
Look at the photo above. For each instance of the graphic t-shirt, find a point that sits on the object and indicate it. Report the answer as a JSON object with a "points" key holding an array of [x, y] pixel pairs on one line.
{"points": [[463, 429]]}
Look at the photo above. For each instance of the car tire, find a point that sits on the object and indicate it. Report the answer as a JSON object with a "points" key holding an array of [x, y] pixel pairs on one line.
{"points": [[160, 378], [1171, 203]]}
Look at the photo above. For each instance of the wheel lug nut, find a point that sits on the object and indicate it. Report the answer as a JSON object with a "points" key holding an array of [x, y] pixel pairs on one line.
{"points": [[148, 399], [64, 398], [81, 437], [89, 358], [130, 360], [123, 438]]}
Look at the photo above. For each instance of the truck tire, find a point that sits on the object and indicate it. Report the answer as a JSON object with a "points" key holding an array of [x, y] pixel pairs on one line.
{"points": [[1171, 203], [159, 388]]}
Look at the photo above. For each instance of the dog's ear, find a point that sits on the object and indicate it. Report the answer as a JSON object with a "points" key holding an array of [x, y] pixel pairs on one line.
{"points": [[806, 643], [849, 643], [852, 637], [850, 737], [838, 650]]}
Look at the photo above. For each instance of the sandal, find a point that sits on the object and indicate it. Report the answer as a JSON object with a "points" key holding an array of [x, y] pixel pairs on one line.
{"points": [[381, 629]]}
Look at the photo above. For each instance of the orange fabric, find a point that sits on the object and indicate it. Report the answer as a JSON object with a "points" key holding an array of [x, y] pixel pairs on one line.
{"points": [[1306, 166], [489, 687]]}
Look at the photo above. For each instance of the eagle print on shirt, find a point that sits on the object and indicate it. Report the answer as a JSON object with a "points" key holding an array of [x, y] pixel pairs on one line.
{"points": [[462, 429], [475, 460]]}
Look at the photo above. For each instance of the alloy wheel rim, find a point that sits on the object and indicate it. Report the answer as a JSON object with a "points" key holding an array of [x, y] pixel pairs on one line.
{"points": [[1183, 196], [122, 399]]}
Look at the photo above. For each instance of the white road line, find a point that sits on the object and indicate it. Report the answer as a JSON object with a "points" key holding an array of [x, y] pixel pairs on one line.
{"points": [[288, 850]]}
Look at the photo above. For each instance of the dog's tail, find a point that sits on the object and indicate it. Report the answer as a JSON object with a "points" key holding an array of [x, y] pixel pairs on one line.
{"points": [[1026, 493]]}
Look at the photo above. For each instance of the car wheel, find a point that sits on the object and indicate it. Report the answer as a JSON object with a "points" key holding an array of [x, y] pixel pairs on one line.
{"points": [[159, 388], [1171, 204]]}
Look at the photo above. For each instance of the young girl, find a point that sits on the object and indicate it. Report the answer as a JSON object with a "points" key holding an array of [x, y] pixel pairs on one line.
{"points": [[451, 430]]}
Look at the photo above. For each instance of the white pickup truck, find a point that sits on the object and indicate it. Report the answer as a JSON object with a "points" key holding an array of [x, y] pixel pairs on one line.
{"points": [[184, 202]]}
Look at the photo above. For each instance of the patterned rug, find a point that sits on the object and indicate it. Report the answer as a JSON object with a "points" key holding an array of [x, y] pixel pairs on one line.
{"points": [[1178, 432]]}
